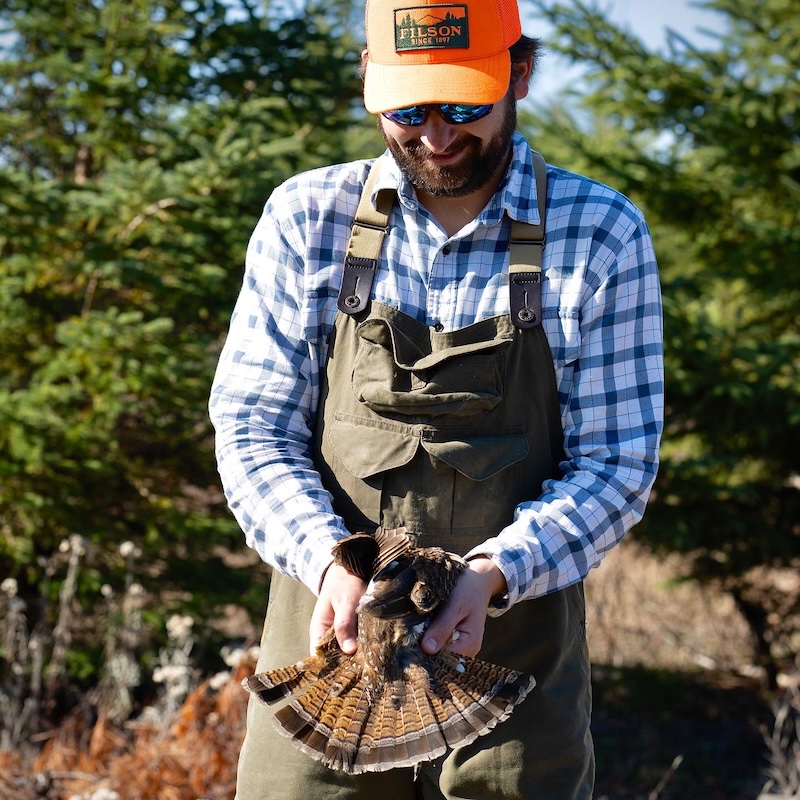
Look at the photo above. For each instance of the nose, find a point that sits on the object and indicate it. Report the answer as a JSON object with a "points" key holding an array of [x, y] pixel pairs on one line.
{"points": [[437, 134]]}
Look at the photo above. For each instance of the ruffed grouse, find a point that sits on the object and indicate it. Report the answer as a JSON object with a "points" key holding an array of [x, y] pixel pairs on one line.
{"points": [[390, 704]]}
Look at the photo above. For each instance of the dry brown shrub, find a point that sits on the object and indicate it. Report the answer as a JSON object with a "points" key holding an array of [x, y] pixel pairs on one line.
{"points": [[194, 756], [639, 612]]}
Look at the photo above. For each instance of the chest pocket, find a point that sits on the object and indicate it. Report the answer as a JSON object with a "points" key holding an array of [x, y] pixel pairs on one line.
{"points": [[428, 374]]}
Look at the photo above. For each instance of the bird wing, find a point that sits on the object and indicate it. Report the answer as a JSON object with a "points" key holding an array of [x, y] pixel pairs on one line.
{"points": [[391, 545], [365, 554], [389, 593], [357, 554]]}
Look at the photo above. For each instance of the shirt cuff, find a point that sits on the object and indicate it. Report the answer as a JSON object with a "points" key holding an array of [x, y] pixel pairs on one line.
{"points": [[315, 558]]}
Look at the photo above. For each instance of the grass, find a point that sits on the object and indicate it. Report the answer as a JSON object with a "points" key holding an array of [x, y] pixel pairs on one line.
{"points": [[707, 725]]}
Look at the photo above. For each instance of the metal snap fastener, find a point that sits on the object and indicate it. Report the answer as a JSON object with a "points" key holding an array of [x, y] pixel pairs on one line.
{"points": [[526, 315], [351, 301]]}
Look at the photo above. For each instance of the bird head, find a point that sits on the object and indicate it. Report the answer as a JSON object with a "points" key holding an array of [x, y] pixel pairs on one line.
{"points": [[389, 594]]}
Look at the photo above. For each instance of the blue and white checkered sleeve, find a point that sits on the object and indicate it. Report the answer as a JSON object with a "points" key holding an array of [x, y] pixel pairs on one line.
{"points": [[261, 405], [612, 415]]}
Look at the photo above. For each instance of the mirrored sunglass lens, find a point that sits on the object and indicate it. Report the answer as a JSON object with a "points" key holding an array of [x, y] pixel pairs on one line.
{"points": [[459, 114], [413, 115], [454, 113]]}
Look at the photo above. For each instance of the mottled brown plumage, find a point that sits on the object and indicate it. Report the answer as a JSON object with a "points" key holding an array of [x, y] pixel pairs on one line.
{"points": [[390, 704]]}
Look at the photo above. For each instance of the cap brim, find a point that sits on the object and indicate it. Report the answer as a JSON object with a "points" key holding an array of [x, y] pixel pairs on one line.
{"points": [[477, 82]]}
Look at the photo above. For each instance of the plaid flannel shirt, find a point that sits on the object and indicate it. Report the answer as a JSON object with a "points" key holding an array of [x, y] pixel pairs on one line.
{"points": [[602, 318]]}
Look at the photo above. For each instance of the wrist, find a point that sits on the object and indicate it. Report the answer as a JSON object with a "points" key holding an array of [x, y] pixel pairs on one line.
{"points": [[491, 574]]}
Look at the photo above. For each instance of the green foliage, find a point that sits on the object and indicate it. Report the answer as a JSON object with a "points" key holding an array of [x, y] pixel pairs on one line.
{"points": [[707, 141], [138, 143]]}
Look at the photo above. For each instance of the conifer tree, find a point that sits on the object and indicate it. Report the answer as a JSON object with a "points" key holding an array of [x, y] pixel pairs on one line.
{"points": [[139, 140], [705, 136]]}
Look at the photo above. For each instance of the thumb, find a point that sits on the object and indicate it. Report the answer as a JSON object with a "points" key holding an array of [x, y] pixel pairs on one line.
{"points": [[460, 623], [441, 630]]}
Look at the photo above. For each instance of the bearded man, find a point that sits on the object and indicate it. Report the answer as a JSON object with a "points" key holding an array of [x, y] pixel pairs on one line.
{"points": [[458, 340]]}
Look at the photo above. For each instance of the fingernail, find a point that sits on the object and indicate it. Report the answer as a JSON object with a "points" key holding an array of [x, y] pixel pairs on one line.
{"points": [[429, 644], [349, 645]]}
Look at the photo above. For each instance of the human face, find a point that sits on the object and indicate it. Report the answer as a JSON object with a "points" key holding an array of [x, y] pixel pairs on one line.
{"points": [[446, 160]]}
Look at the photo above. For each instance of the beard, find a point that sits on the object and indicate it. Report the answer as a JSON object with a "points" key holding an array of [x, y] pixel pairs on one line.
{"points": [[478, 164]]}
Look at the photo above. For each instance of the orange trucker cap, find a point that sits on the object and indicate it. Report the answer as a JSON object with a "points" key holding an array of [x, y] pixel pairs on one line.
{"points": [[420, 51]]}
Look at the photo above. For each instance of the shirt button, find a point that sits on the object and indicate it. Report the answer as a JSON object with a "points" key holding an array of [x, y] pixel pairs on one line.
{"points": [[438, 327], [446, 250]]}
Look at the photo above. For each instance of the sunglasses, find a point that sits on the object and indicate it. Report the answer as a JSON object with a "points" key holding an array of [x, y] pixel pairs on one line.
{"points": [[453, 113]]}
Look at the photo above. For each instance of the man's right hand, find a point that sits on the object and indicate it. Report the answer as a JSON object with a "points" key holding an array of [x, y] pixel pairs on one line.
{"points": [[336, 607]]}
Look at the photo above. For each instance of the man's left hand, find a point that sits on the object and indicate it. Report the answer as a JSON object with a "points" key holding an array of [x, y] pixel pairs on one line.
{"points": [[459, 624]]}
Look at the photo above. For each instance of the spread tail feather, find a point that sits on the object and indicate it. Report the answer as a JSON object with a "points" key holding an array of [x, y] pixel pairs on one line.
{"points": [[269, 687], [338, 719]]}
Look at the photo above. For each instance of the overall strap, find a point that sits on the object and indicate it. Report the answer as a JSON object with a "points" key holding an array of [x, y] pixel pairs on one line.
{"points": [[525, 259], [364, 248], [369, 228]]}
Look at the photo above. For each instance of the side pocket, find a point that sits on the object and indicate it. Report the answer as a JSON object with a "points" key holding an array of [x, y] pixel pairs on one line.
{"points": [[365, 447], [480, 457], [358, 453]]}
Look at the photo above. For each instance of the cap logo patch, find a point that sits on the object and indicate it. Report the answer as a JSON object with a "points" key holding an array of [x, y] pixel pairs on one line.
{"points": [[429, 27]]}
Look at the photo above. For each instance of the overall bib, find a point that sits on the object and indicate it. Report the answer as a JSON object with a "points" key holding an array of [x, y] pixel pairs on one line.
{"points": [[443, 433]]}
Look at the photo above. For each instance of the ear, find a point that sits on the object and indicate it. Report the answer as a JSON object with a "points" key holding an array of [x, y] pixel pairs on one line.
{"points": [[521, 72]]}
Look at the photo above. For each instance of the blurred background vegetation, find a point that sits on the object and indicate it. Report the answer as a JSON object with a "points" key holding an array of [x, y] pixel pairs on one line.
{"points": [[138, 143]]}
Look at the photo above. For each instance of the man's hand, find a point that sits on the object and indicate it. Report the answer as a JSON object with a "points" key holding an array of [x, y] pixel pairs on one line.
{"points": [[336, 606], [464, 613]]}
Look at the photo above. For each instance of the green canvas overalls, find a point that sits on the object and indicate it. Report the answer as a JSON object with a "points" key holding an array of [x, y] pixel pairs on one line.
{"points": [[443, 433]]}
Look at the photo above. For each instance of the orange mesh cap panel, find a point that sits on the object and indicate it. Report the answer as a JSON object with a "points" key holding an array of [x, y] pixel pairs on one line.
{"points": [[431, 52]]}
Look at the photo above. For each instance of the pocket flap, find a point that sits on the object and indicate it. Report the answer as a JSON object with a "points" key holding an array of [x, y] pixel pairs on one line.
{"points": [[411, 354], [479, 457], [366, 448], [392, 373]]}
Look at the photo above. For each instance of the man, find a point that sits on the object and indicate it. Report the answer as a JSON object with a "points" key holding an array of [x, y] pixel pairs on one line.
{"points": [[411, 380]]}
